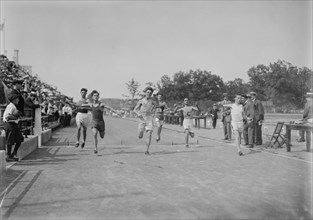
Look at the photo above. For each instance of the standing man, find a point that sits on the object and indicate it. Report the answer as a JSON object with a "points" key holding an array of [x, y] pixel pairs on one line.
{"points": [[82, 119], [307, 113], [213, 112], [248, 127], [67, 114], [144, 109], [187, 123], [226, 118], [13, 134], [258, 118], [159, 115], [17, 90]]}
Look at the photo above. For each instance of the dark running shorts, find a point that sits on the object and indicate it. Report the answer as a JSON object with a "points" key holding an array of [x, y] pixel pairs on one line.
{"points": [[99, 125]]}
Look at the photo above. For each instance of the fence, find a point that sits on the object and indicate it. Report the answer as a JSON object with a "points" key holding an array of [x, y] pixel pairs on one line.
{"points": [[27, 123]]}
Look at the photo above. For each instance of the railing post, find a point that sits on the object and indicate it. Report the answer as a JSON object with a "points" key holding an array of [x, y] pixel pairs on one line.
{"points": [[38, 128]]}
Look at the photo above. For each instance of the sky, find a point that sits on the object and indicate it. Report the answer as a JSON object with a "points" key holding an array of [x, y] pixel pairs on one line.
{"points": [[102, 45]]}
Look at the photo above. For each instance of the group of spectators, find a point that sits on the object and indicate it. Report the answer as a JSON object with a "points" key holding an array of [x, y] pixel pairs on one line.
{"points": [[36, 93]]}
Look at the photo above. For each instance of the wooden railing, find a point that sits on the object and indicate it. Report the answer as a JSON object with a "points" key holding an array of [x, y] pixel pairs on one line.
{"points": [[26, 123]]}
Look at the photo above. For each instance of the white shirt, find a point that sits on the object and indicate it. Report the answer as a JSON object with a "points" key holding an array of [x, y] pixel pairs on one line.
{"points": [[236, 112], [67, 109], [9, 110]]}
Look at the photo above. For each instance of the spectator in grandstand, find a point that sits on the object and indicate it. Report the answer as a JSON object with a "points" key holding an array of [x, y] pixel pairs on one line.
{"points": [[66, 114], [44, 108], [258, 118], [307, 114], [17, 88], [30, 102], [13, 134]]}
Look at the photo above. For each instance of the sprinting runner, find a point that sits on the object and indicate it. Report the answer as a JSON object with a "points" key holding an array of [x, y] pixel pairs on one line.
{"points": [[187, 123], [144, 109], [237, 117], [97, 121], [82, 119], [159, 115]]}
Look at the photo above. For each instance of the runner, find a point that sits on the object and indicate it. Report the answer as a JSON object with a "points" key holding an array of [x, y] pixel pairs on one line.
{"points": [[97, 122], [82, 119], [159, 115], [187, 123], [237, 117], [144, 110]]}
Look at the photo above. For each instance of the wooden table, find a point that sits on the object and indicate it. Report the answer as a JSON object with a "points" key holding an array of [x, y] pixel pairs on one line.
{"points": [[308, 128], [197, 121]]}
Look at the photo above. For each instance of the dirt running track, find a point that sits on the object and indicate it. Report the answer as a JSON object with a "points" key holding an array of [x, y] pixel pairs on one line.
{"points": [[207, 181]]}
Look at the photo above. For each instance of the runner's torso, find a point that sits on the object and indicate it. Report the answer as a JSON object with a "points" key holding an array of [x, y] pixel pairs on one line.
{"points": [[97, 113], [159, 111], [187, 111], [147, 106], [80, 108]]}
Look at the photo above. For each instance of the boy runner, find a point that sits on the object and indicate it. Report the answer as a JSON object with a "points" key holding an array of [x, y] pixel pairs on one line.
{"points": [[187, 123], [97, 122], [82, 119], [159, 116], [144, 110]]}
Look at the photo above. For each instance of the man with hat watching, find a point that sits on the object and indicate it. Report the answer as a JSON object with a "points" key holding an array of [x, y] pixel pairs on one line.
{"points": [[248, 127], [17, 88], [258, 118], [226, 118], [13, 134], [307, 113]]}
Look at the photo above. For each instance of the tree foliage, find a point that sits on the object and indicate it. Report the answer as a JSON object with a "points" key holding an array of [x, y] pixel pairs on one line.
{"points": [[280, 82]]}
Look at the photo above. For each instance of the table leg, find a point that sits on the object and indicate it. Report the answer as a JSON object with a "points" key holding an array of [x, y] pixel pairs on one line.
{"points": [[288, 136], [308, 141]]}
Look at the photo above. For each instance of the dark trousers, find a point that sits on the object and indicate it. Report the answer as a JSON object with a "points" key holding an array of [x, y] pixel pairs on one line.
{"points": [[257, 133], [248, 131], [214, 120], [227, 129]]}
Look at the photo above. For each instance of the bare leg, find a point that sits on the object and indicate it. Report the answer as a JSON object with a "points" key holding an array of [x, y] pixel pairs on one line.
{"points": [[148, 141], [84, 133], [238, 142], [78, 135], [95, 138], [159, 133], [187, 138]]}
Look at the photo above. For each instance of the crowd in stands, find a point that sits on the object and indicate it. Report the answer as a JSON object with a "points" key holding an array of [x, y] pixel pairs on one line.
{"points": [[36, 93]]}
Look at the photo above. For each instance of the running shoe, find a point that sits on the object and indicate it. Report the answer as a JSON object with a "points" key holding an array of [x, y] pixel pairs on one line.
{"points": [[83, 145], [77, 144]]}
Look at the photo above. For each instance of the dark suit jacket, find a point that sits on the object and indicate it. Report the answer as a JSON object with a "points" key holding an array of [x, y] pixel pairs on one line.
{"points": [[258, 110], [307, 113], [248, 109], [30, 104]]}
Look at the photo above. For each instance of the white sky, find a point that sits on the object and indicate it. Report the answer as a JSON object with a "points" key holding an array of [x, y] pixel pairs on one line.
{"points": [[103, 44]]}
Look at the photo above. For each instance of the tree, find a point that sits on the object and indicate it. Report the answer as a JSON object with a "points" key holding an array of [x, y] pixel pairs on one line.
{"points": [[132, 87]]}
